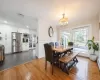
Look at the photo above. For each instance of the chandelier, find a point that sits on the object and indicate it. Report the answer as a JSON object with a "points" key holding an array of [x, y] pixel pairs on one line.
{"points": [[63, 20]]}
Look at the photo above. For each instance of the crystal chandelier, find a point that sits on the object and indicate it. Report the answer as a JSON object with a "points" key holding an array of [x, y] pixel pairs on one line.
{"points": [[64, 20]]}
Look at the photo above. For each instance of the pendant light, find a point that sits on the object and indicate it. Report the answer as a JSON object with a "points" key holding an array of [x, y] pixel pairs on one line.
{"points": [[63, 20]]}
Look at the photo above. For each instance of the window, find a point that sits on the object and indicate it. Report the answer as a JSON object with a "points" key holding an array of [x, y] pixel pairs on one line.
{"points": [[80, 37]]}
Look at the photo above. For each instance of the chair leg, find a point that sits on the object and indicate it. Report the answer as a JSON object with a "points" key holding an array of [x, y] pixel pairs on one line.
{"points": [[65, 68], [45, 64], [59, 64], [52, 68], [76, 60]]}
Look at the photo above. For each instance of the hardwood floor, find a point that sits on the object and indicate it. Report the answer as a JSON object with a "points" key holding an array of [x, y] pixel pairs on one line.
{"points": [[35, 70]]}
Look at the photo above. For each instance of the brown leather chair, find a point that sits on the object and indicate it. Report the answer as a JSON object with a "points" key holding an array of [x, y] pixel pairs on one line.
{"points": [[48, 55]]}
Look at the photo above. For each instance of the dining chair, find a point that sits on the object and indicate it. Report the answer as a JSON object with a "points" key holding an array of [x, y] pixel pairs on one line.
{"points": [[56, 44], [48, 55], [56, 55], [52, 44], [70, 43]]}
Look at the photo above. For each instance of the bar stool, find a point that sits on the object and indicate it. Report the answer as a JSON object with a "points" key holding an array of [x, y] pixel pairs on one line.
{"points": [[2, 54]]}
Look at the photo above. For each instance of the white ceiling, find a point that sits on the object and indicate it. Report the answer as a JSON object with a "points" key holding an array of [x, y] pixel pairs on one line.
{"points": [[18, 20], [75, 10]]}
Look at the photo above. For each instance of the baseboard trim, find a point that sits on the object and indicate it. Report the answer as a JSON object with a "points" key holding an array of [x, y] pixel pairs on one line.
{"points": [[83, 56]]}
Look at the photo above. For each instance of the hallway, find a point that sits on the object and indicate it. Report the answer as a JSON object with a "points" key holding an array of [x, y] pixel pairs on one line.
{"points": [[17, 58]]}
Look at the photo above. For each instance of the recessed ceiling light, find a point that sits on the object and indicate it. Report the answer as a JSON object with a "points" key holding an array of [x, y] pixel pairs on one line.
{"points": [[5, 22], [27, 26]]}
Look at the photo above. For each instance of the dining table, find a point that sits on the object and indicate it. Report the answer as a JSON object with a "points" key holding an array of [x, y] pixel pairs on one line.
{"points": [[68, 60], [61, 49], [60, 52]]}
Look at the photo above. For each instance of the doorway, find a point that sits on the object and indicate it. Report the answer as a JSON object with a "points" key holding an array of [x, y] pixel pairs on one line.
{"points": [[65, 38]]}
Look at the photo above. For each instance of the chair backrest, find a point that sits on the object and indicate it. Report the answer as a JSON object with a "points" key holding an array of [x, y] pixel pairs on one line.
{"points": [[48, 52], [52, 44], [70, 43], [56, 44]]}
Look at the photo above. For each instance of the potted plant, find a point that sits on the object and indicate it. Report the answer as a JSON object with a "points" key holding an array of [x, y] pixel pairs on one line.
{"points": [[94, 46]]}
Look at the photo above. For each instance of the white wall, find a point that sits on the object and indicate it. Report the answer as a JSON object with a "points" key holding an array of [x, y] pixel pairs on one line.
{"points": [[98, 61], [6, 31], [43, 26]]}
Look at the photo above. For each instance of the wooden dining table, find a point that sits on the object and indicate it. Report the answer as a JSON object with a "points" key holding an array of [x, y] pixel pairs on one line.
{"points": [[61, 49], [60, 52], [65, 59]]}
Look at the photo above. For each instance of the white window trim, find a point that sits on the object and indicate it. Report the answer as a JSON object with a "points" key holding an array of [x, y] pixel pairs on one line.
{"points": [[70, 30]]}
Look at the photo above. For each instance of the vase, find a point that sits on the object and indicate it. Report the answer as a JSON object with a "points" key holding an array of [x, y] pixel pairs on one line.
{"points": [[93, 57]]}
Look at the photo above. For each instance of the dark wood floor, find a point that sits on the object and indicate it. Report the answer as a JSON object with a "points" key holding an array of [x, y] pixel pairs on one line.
{"points": [[35, 70], [17, 58]]}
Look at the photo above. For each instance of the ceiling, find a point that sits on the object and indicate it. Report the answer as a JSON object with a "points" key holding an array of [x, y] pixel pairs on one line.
{"points": [[18, 20], [75, 10]]}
